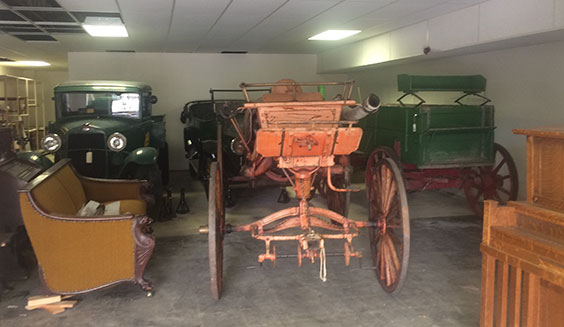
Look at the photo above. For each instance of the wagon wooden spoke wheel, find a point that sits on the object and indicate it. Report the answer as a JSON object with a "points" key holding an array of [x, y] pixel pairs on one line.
{"points": [[389, 240], [498, 182], [216, 229]]}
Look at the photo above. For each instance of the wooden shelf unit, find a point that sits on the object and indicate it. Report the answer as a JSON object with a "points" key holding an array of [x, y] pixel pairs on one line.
{"points": [[523, 243], [22, 108]]}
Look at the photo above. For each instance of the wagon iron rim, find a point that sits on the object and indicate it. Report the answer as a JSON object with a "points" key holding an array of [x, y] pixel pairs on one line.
{"points": [[216, 223], [390, 240]]}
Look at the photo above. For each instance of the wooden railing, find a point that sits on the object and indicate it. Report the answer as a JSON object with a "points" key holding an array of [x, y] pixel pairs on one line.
{"points": [[523, 244]]}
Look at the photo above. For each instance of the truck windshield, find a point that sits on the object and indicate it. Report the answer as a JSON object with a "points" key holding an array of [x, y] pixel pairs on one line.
{"points": [[98, 103]]}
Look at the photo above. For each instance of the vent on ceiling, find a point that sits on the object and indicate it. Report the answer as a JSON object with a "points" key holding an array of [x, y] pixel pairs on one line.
{"points": [[32, 3], [122, 51], [60, 25], [35, 37], [81, 15], [16, 25], [29, 29], [234, 51], [9, 16], [47, 16], [65, 30]]}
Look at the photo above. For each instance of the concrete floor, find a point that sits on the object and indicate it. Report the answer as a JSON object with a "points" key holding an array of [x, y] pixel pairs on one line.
{"points": [[442, 287]]}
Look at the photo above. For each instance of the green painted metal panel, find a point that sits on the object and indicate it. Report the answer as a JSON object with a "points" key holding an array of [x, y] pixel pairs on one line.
{"points": [[433, 135], [466, 84]]}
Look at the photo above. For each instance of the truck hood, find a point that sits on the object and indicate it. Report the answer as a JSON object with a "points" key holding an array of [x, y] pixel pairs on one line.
{"points": [[106, 124]]}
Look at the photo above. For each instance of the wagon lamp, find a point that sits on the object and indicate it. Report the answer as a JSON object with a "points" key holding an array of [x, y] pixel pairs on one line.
{"points": [[117, 142], [51, 143]]}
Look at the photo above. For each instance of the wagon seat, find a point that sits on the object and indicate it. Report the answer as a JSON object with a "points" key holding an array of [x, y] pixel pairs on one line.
{"points": [[301, 129]]}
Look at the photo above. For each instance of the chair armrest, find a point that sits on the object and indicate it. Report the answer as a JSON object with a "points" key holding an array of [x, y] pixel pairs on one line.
{"points": [[103, 190]]}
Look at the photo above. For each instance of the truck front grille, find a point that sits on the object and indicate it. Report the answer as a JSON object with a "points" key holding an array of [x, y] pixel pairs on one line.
{"points": [[78, 151]]}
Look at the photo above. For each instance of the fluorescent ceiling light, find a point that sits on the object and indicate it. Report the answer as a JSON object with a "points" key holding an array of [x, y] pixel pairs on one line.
{"points": [[333, 35], [104, 27], [25, 63]]}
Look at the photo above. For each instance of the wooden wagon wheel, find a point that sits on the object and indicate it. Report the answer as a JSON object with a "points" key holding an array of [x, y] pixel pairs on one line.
{"points": [[389, 241], [216, 226], [498, 182], [381, 152]]}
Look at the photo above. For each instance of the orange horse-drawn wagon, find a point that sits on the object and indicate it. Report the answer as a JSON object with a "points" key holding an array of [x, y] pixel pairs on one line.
{"points": [[309, 139]]}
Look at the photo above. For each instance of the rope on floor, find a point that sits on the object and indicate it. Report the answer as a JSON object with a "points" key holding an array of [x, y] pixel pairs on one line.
{"points": [[322, 265]]}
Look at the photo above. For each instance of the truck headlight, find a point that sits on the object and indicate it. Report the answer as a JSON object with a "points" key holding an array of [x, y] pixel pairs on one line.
{"points": [[51, 143], [117, 142]]}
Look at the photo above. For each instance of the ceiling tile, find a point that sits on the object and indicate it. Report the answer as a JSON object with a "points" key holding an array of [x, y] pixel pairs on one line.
{"points": [[349, 10], [241, 16], [192, 20], [289, 16], [402, 8], [297, 12], [147, 22], [336, 17]]}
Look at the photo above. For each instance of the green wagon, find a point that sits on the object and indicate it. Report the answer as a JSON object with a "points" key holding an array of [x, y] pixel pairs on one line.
{"points": [[443, 145]]}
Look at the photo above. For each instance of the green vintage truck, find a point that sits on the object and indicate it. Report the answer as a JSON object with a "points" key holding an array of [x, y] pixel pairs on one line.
{"points": [[108, 131]]}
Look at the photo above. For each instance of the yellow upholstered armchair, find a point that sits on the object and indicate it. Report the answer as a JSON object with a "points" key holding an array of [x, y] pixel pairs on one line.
{"points": [[81, 254]]}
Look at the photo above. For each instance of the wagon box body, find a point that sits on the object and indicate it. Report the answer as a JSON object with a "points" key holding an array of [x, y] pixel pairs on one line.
{"points": [[443, 145], [434, 136]]}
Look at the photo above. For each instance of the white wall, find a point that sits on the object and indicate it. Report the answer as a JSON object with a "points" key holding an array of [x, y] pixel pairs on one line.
{"points": [[525, 84], [177, 78], [491, 23], [49, 79], [4, 70]]}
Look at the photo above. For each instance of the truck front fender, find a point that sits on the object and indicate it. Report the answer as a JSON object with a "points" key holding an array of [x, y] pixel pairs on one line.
{"points": [[142, 156], [36, 158]]}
